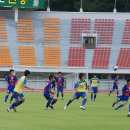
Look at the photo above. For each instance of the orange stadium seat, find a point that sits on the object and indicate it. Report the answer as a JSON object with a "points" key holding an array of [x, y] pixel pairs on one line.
{"points": [[52, 56], [101, 58], [27, 55], [3, 33], [25, 30], [5, 57], [76, 56], [52, 30]]}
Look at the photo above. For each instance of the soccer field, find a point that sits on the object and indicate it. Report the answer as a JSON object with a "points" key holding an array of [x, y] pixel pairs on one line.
{"points": [[31, 115]]}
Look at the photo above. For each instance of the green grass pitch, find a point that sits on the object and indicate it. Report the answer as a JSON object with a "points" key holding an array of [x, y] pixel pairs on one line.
{"points": [[31, 115]]}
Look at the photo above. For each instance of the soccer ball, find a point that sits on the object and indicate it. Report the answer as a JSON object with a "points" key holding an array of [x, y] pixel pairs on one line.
{"points": [[115, 68]]}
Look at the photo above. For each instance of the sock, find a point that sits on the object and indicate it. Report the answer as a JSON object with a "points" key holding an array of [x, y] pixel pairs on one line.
{"points": [[53, 102], [11, 99], [13, 105], [117, 93], [57, 94], [6, 98], [84, 101], [120, 106], [19, 103], [48, 104], [69, 102], [91, 96], [95, 95], [62, 94]]}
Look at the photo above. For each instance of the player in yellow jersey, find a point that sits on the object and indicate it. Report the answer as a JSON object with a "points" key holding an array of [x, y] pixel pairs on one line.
{"points": [[80, 88], [18, 94], [94, 87]]}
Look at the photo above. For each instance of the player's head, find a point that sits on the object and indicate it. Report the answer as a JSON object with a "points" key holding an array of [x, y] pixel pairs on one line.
{"points": [[59, 74], [128, 81], [51, 77], [27, 73], [95, 76], [11, 72], [81, 76]]}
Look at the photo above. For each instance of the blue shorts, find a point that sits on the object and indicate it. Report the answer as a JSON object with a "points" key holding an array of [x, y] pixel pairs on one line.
{"points": [[94, 89], [60, 88], [10, 90], [123, 98], [18, 95], [48, 96], [115, 87], [77, 95]]}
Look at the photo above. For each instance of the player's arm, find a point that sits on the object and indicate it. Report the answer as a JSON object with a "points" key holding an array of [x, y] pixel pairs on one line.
{"points": [[25, 85], [51, 92]]}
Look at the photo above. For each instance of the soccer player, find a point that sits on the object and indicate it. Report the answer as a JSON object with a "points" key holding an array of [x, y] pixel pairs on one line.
{"points": [[10, 81], [80, 88], [48, 93], [60, 85], [124, 97], [115, 86], [94, 87], [18, 94]]}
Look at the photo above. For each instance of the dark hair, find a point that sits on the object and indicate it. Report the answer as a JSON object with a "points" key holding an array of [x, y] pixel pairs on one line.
{"points": [[51, 76], [128, 80], [11, 70], [59, 73], [81, 75], [26, 72]]}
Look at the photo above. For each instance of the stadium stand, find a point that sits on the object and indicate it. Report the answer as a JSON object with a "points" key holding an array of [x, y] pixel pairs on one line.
{"points": [[76, 56], [25, 30], [104, 28], [5, 57], [126, 35], [3, 33], [27, 55], [77, 26], [124, 58], [52, 30], [101, 57], [52, 55]]}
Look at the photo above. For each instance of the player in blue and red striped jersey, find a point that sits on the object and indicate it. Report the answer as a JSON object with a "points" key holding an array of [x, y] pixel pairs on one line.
{"points": [[124, 97], [48, 93], [11, 81], [60, 85], [115, 86]]}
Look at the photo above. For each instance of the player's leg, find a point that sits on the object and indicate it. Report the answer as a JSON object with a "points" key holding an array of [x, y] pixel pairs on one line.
{"points": [[116, 102], [11, 99], [76, 96], [95, 93], [7, 95], [121, 105], [111, 91], [62, 94], [129, 111], [84, 96], [92, 93], [54, 100], [117, 91], [58, 91], [48, 104]]}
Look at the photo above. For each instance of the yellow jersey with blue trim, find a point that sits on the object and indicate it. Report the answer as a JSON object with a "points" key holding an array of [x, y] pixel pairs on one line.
{"points": [[81, 86], [19, 86], [94, 82]]}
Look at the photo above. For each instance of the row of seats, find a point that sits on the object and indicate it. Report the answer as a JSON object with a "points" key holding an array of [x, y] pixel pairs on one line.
{"points": [[25, 30], [52, 30], [103, 27], [76, 57]]}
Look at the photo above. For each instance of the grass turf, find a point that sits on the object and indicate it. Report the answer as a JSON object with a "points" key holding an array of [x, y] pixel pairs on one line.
{"points": [[31, 115]]}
